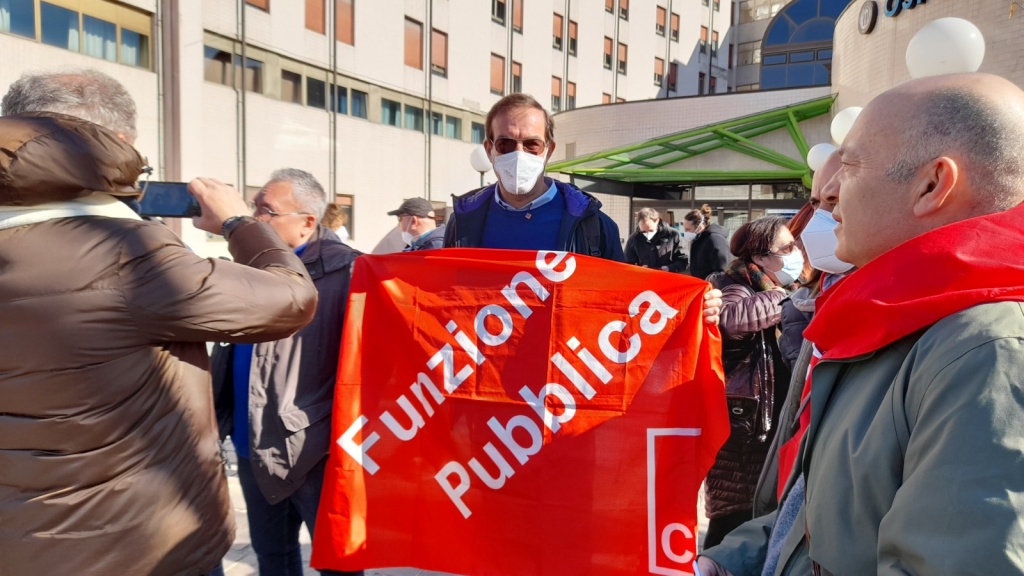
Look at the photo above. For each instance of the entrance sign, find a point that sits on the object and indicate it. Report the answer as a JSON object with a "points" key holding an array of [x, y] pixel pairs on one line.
{"points": [[517, 412]]}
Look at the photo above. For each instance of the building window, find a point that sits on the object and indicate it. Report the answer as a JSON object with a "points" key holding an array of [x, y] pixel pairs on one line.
{"points": [[339, 99], [624, 9], [99, 38], [704, 2], [497, 74], [517, 16], [572, 37], [660, 21], [607, 52], [712, 85], [754, 10], [224, 68], [414, 118], [556, 94], [59, 26], [714, 44], [390, 112], [622, 58], [252, 76], [718, 5], [316, 93], [413, 44], [701, 78], [261, 4], [217, 66], [291, 87], [134, 49], [606, 98], [620, 100], [749, 53], [315, 21], [18, 17], [673, 74], [453, 127], [659, 71], [556, 43], [477, 133], [498, 11], [439, 53], [703, 38], [359, 107], [517, 77], [675, 27], [344, 22], [436, 123], [570, 95], [609, 6]]}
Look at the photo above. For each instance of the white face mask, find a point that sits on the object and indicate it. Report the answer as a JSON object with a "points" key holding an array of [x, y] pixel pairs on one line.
{"points": [[689, 236], [649, 235], [519, 171], [792, 266], [407, 237], [820, 241]]}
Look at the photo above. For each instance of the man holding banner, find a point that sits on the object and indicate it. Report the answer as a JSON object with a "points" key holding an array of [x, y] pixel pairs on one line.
{"points": [[549, 414], [524, 209]]}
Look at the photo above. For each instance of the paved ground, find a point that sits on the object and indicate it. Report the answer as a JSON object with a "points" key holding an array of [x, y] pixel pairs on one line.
{"points": [[241, 561]]}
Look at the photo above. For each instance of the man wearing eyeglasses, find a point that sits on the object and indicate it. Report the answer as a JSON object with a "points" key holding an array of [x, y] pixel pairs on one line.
{"points": [[524, 209], [274, 399]]}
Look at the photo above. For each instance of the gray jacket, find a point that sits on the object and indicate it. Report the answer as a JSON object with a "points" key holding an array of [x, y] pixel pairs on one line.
{"points": [[291, 381], [912, 459]]}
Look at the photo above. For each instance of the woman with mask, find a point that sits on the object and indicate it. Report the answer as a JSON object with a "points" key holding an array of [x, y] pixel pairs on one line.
{"points": [[709, 247], [753, 286]]}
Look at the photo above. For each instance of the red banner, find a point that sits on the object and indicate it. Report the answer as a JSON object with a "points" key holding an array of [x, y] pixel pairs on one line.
{"points": [[515, 412]]}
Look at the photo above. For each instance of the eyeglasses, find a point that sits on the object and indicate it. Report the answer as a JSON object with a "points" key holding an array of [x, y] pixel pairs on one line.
{"points": [[784, 250], [261, 211], [533, 146]]}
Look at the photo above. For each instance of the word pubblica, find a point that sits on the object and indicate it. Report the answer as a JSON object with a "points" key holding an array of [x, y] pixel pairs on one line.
{"points": [[454, 477]]}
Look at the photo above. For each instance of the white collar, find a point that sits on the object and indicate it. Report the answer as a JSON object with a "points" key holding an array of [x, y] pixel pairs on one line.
{"points": [[97, 204]]}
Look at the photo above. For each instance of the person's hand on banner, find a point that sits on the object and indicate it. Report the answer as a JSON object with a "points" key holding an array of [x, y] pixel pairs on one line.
{"points": [[712, 306], [705, 566]]}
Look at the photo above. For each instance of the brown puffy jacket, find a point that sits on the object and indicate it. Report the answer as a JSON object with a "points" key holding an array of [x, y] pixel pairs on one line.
{"points": [[109, 459]]}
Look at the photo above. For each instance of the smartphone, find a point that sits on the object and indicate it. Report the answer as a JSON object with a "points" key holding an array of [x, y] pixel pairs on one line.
{"points": [[168, 199]]}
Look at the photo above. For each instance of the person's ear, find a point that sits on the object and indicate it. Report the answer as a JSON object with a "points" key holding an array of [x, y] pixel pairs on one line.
{"points": [[934, 186]]}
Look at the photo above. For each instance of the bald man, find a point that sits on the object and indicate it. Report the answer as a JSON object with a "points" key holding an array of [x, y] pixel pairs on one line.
{"points": [[912, 462]]}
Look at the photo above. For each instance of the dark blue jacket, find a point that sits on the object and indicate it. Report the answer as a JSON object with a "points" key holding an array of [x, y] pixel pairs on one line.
{"points": [[584, 229]]}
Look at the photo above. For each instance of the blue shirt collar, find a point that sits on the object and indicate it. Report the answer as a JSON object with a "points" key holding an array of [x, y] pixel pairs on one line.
{"points": [[537, 203]]}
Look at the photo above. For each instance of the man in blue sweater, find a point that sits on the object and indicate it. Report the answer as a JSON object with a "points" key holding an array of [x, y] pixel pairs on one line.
{"points": [[524, 209]]}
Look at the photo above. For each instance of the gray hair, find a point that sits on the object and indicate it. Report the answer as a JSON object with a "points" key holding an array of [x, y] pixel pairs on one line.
{"points": [[306, 190], [646, 214], [991, 142], [87, 94]]}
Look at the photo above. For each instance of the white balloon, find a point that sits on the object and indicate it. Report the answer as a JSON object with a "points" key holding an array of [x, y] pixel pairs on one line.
{"points": [[945, 46], [842, 123], [817, 155], [479, 160]]}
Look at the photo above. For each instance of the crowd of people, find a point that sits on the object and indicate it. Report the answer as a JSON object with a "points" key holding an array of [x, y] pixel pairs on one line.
{"points": [[868, 342]]}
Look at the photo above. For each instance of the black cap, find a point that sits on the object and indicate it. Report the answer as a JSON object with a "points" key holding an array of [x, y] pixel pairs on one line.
{"points": [[414, 207]]}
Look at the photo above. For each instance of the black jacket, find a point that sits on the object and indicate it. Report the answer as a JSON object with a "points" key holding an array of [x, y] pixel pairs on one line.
{"points": [[665, 248], [709, 252]]}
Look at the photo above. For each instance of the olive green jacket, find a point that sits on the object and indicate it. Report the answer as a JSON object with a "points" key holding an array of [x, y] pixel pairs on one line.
{"points": [[914, 458]]}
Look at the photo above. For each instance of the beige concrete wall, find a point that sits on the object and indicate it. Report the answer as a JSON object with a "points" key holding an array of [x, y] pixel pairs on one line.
{"points": [[865, 65]]}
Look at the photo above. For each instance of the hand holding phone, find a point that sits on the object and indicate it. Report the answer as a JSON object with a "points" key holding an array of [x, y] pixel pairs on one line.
{"points": [[218, 201], [168, 200]]}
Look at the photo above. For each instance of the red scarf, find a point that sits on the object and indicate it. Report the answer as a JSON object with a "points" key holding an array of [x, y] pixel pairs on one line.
{"points": [[911, 287], [920, 282]]}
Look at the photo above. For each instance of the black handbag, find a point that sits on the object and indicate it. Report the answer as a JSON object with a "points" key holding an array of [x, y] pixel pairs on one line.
{"points": [[749, 388]]}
